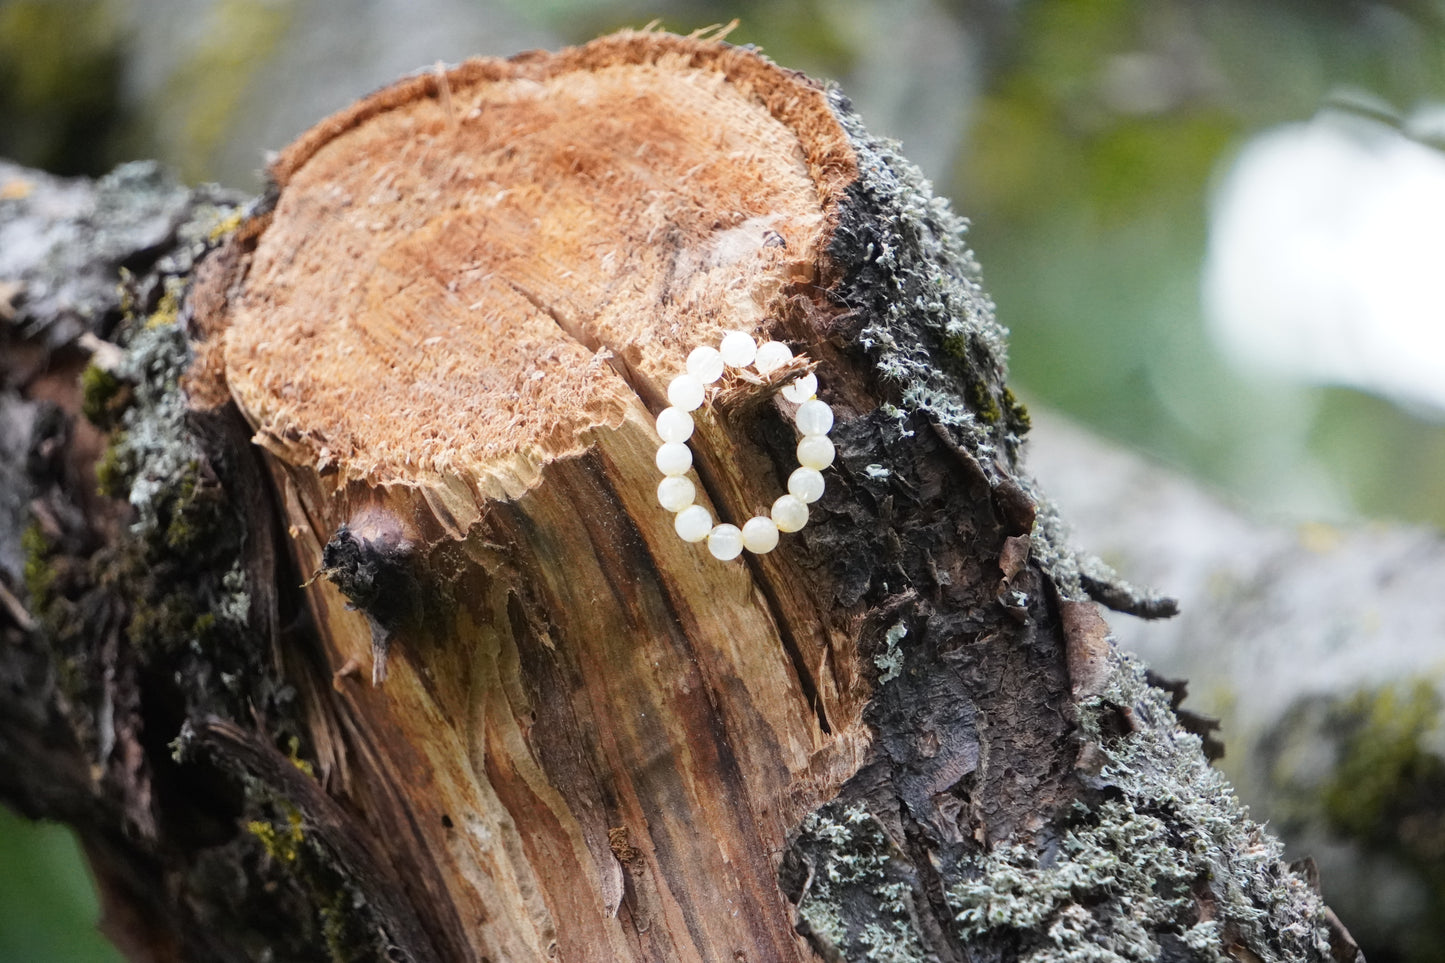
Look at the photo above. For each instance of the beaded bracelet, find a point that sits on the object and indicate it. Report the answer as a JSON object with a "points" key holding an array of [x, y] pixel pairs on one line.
{"points": [[676, 493]]}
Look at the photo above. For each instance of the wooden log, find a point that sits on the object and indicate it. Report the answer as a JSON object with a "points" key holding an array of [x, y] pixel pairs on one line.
{"points": [[451, 335], [540, 724]]}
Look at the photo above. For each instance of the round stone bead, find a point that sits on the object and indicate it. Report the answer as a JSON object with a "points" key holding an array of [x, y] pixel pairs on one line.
{"points": [[813, 417], [760, 535], [675, 458], [725, 542], [705, 364], [738, 349], [789, 513], [686, 392], [675, 425], [806, 484], [802, 389], [675, 493], [693, 523], [814, 451], [772, 355]]}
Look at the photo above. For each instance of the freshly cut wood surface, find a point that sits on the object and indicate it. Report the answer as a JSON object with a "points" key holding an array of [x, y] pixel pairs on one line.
{"points": [[465, 274], [452, 335]]}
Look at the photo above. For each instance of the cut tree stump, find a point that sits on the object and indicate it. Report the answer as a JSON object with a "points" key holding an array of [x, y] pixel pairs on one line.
{"points": [[512, 715]]}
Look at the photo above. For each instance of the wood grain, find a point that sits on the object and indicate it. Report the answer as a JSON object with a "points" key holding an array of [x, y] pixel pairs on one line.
{"points": [[456, 326]]}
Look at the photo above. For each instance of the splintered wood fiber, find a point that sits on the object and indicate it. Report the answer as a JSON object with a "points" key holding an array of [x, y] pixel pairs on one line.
{"points": [[458, 274]]}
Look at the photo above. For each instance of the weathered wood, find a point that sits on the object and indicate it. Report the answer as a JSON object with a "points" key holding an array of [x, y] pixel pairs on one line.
{"points": [[902, 735]]}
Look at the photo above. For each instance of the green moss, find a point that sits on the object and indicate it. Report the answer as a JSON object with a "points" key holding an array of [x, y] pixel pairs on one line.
{"points": [[1017, 410], [956, 345], [344, 927], [113, 471], [282, 841], [193, 514], [101, 396], [39, 575], [985, 407], [333, 928], [46, 575], [342, 920], [1384, 763]]}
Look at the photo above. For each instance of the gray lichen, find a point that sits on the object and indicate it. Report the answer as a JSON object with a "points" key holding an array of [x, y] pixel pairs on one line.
{"points": [[1167, 864], [1148, 856], [888, 660], [931, 332], [930, 328], [191, 584], [1119, 858], [63, 240], [858, 895], [928, 325], [169, 618]]}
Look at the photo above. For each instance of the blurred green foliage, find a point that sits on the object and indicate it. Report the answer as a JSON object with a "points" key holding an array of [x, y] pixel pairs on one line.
{"points": [[207, 89], [1369, 766], [60, 85], [1088, 175], [48, 908]]}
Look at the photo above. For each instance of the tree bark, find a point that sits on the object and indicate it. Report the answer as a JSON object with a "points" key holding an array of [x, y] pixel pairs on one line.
{"points": [[508, 714]]}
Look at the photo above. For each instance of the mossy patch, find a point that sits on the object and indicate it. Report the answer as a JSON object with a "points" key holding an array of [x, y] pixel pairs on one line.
{"points": [[1374, 776], [103, 396], [282, 840], [1387, 786], [180, 563], [912, 278], [1157, 861], [339, 919]]}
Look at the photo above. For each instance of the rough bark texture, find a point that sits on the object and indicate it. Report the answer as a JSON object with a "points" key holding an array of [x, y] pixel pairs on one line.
{"points": [[1318, 648], [903, 735]]}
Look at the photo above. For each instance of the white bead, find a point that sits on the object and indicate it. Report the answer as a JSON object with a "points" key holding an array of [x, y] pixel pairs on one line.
{"points": [[675, 425], [693, 523], [789, 513], [813, 417], [802, 389], [760, 535], [675, 493], [705, 364], [738, 349], [675, 458], [806, 484], [725, 542], [814, 451], [685, 392], [772, 355]]}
